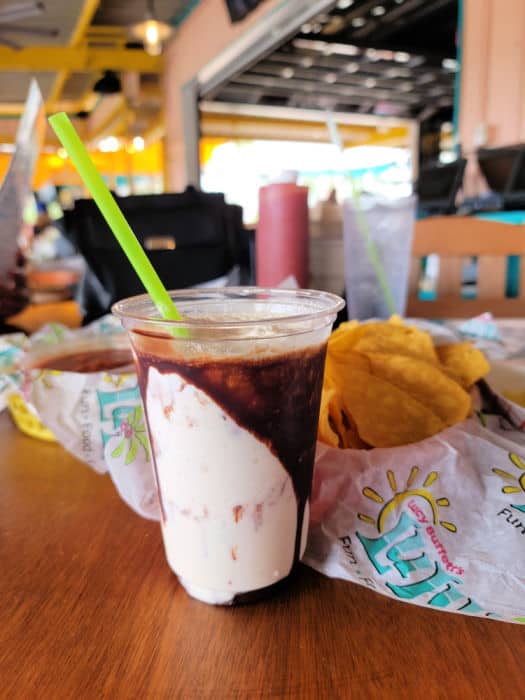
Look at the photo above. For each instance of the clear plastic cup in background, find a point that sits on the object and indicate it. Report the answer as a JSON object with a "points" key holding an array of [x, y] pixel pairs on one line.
{"points": [[231, 396], [390, 225]]}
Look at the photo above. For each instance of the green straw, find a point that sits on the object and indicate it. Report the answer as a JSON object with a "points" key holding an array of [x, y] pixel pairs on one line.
{"points": [[362, 225], [114, 217]]}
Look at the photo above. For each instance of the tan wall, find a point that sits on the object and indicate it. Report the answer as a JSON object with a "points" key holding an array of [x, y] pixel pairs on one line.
{"points": [[200, 39], [492, 105]]}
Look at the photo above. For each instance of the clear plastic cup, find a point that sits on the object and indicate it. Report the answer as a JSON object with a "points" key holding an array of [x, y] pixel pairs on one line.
{"points": [[231, 397], [390, 225]]}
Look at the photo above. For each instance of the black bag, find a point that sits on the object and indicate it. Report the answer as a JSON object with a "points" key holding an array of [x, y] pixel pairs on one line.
{"points": [[190, 238]]}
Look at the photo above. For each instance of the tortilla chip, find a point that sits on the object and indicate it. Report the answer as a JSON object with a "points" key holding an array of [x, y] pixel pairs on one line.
{"points": [[464, 361], [386, 416], [336, 427], [399, 340], [386, 385], [327, 431], [382, 336], [424, 382]]}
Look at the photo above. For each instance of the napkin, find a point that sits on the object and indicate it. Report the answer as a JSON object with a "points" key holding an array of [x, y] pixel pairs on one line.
{"points": [[440, 523]]}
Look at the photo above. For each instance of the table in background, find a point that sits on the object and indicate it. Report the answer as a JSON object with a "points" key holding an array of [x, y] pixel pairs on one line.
{"points": [[89, 609]]}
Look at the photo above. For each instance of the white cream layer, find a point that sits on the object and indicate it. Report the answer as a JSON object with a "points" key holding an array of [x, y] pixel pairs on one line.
{"points": [[230, 506]]}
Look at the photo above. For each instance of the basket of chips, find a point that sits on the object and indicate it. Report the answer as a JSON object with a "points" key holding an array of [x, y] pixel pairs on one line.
{"points": [[419, 481], [386, 384]]}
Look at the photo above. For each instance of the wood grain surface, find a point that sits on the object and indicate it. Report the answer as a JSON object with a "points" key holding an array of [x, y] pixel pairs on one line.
{"points": [[89, 609]]}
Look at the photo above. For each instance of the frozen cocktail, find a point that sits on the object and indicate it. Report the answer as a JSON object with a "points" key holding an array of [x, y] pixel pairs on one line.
{"points": [[231, 397]]}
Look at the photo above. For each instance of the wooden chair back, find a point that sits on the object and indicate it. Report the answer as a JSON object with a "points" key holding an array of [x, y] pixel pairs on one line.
{"points": [[456, 239]]}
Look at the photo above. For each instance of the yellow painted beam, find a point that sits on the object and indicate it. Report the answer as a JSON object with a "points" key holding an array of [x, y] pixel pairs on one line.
{"points": [[83, 22], [58, 85], [103, 30], [11, 109], [241, 127], [77, 59], [109, 125], [107, 35], [395, 136], [85, 104], [155, 130]]}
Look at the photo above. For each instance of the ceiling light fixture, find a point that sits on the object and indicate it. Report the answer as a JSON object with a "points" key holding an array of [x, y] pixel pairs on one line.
{"points": [[378, 11], [425, 78], [110, 144], [401, 57], [151, 32], [358, 22], [109, 84], [450, 64]]}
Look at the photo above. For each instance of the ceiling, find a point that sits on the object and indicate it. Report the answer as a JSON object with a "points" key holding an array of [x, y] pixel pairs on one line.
{"points": [[58, 17], [76, 41], [370, 57], [55, 16], [380, 57], [123, 13]]}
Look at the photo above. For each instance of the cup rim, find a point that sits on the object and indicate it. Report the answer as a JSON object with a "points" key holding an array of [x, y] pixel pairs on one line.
{"points": [[329, 304]]}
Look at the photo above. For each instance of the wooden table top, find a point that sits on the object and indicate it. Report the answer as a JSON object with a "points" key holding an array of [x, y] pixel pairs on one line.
{"points": [[89, 609]]}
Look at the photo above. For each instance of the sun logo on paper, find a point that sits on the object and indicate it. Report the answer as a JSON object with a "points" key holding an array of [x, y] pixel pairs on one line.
{"points": [[517, 483], [43, 375], [411, 490], [115, 380]]}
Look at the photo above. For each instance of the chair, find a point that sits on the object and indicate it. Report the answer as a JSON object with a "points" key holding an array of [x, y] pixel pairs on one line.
{"points": [[190, 238], [438, 185], [504, 171], [457, 239]]}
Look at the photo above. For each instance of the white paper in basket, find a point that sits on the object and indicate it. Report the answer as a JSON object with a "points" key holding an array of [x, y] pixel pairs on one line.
{"points": [[98, 417], [440, 523]]}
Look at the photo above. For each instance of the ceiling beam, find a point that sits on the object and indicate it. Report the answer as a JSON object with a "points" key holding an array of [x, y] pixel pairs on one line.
{"points": [[268, 112], [77, 59], [155, 130], [108, 36], [86, 103], [86, 15]]}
